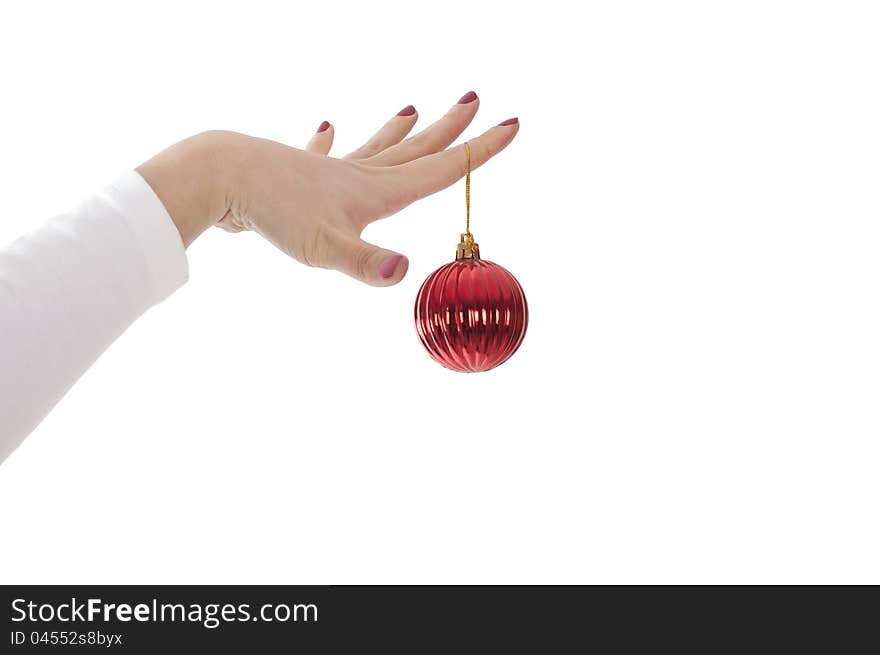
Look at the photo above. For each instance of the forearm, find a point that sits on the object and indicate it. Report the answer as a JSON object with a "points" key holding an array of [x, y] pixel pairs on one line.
{"points": [[70, 288]]}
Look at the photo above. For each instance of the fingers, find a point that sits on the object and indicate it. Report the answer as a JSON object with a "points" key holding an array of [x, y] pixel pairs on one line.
{"points": [[365, 262], [433, 173], [322, 139], [432, 139], [392, 132]]}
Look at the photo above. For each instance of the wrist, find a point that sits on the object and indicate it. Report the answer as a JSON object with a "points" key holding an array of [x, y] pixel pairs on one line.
{"points": [[193, 179]]}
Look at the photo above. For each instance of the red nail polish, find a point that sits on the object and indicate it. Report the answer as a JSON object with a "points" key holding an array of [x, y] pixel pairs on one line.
{"points": [[470, 96], [409, 110], [387, 268], [323, 127], [509, 121]]}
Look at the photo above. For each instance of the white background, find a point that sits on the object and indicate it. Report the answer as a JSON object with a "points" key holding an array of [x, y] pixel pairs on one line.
{"points": [[691, 206]]}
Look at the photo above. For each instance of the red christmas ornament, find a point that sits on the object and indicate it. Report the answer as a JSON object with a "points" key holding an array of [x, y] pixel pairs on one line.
{"points": [[471, 314]]}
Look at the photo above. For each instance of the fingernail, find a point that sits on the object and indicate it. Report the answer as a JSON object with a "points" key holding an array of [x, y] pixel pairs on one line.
{"points": [[470, 96], [409, 110], [387, 268], [322, 127], [509, 121]]}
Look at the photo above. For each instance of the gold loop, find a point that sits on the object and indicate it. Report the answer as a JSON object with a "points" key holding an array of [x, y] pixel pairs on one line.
{"points": [[467, 190], [467, 249]]}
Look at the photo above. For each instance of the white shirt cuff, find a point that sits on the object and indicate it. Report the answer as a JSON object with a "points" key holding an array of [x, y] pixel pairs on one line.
{"points": [[154, 231]]}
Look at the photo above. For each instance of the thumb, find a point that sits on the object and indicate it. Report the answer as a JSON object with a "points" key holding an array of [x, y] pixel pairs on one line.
{"points": [[368, 263]]}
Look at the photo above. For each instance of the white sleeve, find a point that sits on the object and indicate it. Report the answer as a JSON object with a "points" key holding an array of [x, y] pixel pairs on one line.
{"points": [[70, 288]]}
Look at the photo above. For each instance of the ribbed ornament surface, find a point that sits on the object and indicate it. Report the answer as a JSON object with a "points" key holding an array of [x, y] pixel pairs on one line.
{"points": [[471, 315]]}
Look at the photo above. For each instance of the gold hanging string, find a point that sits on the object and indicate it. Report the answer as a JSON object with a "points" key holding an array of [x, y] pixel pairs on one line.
{"points": [[467, 191], [467, 249]]}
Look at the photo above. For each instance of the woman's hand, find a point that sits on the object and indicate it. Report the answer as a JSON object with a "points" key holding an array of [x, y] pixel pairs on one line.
{"points": [[313, 206]]}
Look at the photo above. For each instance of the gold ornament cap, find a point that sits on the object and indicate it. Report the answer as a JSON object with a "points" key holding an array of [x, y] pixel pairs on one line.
{"points": [[467, 247]]}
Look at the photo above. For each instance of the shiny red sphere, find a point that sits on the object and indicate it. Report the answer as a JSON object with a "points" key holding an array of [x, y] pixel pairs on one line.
{"points": [[471, 315]]}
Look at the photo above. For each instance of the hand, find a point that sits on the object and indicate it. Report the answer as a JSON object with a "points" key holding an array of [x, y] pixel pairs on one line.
{"points": [[313, 206]]}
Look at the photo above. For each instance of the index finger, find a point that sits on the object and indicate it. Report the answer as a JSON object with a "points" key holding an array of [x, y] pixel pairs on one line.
{"points": [[433, 173]]}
